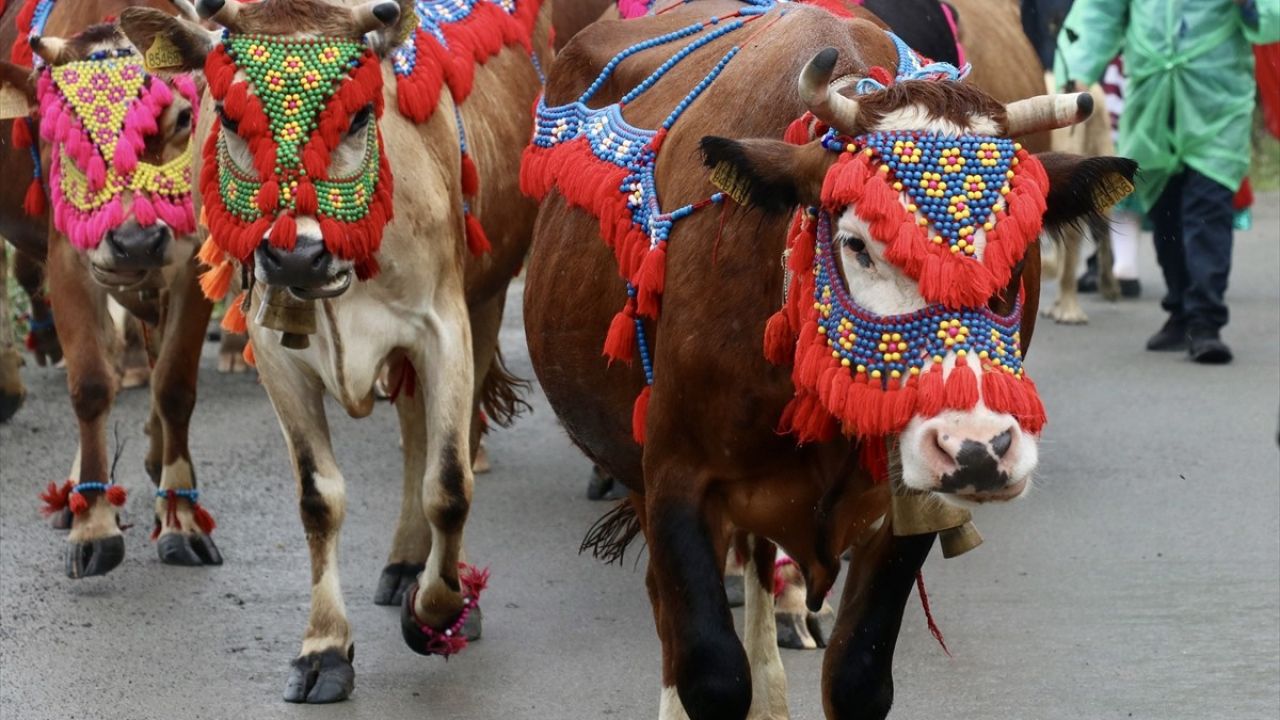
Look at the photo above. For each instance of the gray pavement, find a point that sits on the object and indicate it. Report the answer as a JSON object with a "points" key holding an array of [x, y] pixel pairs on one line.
{"points": [[1140, 580]]}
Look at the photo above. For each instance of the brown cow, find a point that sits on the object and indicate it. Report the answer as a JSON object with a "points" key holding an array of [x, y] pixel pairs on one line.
{"points": [[421, 304], [145, 262], [712, 457]]}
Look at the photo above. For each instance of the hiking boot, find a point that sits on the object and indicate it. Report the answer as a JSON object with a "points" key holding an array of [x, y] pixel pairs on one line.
{"points": [[1206, 347], [1173, 336], [1130, 288]]}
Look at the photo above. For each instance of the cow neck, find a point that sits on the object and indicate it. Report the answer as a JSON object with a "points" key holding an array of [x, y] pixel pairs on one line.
{"points": [[607, 166], [96, 114]]}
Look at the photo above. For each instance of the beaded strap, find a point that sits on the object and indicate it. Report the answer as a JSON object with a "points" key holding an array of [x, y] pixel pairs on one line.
{"points": [[203, 518], [451, 640], [71, 496]]}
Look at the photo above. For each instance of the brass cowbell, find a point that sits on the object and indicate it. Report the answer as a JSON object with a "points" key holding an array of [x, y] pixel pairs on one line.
{"points": [[918, 513], [293, 317]]}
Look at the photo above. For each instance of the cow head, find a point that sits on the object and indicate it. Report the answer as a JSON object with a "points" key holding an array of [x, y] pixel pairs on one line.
{"points": [[119, 150], [294, 177], [904, 316]]}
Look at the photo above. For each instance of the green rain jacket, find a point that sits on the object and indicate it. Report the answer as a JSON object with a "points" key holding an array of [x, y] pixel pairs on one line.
{"points": [[1190, 93]]}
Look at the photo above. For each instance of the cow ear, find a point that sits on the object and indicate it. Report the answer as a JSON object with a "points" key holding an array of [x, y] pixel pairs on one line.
{"points": [[771, 175], [17, 91], [169, 45], [1083, 187]]}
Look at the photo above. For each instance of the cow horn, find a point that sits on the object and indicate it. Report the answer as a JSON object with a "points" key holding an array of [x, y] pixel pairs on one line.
{"points": [[186, 10], [834, 109], [48, 48], [375, 16], [1046, 112], [223, 12]]}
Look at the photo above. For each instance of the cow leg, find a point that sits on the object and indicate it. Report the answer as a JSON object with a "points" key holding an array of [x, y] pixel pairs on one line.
{"points": [[412, 541], [12, 392], [182, 539], [857, 679], [734, 567], [497, 392], [96, 545], [798, 627], [435, 605], [322, 672], [1066, 309], [705, 669], [768, 676], [29, 272]]}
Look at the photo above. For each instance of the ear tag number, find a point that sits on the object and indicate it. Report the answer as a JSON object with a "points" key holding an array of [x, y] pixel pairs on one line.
{"points": [[162, 55]]}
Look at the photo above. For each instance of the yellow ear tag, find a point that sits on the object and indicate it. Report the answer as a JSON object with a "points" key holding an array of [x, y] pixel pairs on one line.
{"points": [[13, 103], [1113, 188], [163, 55], [726, 177]]}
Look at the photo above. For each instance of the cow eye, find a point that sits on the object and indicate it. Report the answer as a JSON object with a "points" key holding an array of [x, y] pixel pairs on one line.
{"points": [[858, 247], [183, 120], [227, 123], [360, 120]]}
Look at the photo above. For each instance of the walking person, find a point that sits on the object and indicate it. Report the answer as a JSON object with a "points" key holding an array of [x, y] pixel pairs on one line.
{"points": [[1187, 121]]}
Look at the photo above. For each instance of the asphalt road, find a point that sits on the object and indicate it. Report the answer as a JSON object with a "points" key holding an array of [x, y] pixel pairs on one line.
{"points": [[1140, 580]]}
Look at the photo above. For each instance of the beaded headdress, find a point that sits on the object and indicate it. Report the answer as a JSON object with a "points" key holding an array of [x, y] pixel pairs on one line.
{"points": [[293, 108], [96, 114], [954, 213]]}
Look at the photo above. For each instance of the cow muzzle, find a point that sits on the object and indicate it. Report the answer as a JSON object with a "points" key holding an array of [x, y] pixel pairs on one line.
{"points": [[972, 456], [309, 270], [130, 254]]}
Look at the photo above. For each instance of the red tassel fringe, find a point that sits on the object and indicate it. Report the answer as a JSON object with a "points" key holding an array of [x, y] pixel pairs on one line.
{"points": [[640, 414], [620, 343], [55, 497], [470, 176], [477, 241], [234, 321], [33, 204]]}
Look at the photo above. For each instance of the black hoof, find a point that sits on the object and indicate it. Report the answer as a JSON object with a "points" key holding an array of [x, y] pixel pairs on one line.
{"points": [[734, 591], [60, 520], [417, 640], [603, 487], [820, 626], [9, 404], [187, 550], [96, 557], [394, 581], [319, 678]]}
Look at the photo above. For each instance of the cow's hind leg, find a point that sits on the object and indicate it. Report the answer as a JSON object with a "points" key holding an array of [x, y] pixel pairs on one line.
{"points": [[441, 612], [768, 676], [798, 627], [857, 677], [412, 541], [183, 525], [96, 545], [706, 673], [43, 340], [322, 672]]}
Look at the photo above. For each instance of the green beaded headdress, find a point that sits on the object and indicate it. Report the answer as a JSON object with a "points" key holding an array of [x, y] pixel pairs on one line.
{"points": [[293, 107]]}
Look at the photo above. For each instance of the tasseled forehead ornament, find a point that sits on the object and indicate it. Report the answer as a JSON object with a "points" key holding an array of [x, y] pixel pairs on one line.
{"points": [[304, 95], [97, 114], [956, 214]]}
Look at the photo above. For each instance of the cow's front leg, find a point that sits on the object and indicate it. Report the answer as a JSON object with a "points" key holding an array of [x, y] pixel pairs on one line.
{"points": [[441, 612], [705, 672], [322, 672], [857, 671], [183, 525], [96, 545], [412, 540]]}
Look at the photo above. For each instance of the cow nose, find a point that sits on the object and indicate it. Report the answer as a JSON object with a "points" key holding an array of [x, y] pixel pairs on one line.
{"points": [[1001, 443], [138, 246], [973, 465], [307, 265]]}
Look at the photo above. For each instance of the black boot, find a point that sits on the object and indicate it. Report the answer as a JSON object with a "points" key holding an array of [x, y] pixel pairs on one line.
{"points": [[1206, 347], [1173, 336], [1088, 282]]}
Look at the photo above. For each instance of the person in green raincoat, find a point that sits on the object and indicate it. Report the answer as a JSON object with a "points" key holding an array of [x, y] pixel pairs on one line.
{"points": [[1187, 121]]}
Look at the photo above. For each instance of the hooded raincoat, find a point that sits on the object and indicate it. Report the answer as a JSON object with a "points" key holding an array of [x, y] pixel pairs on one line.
{"points": [[1190, 94]]}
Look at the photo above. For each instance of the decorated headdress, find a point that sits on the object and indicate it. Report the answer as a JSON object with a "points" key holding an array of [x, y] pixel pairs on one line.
{"points": [[97, 113], [955, 213], [303, 96]]}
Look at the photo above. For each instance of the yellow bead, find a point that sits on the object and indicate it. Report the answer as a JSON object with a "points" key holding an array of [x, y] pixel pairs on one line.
{"points": [[844, 362]]}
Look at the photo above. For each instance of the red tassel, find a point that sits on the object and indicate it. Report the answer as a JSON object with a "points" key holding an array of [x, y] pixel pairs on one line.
{"points": [[651, 280], [368, 268], [21, 134], [234, 320], [304, 199], [117, 495], [477, 241], [77, 504], [269, 197], [210, 254], [930, 394], [55, 497], [961, 387], [874, 457], [619, 344], [470, 176], [34, 204], [215, 282], [798, 131], [284, 233], [640, 414], [314, 163], [779, 340], [204, 519]]}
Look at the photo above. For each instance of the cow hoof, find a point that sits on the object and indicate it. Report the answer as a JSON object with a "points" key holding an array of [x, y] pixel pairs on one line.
{"points": [[418, 641], [793, 631], [396, 578], [10, 403], [61, 520], [187, 550], [820, 625], [603, 487], [323, 677], [1067, 313], [94, 557], [734, 591]]}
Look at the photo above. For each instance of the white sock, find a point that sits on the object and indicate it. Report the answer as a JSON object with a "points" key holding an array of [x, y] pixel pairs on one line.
{"points": [[1125, 229]]}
